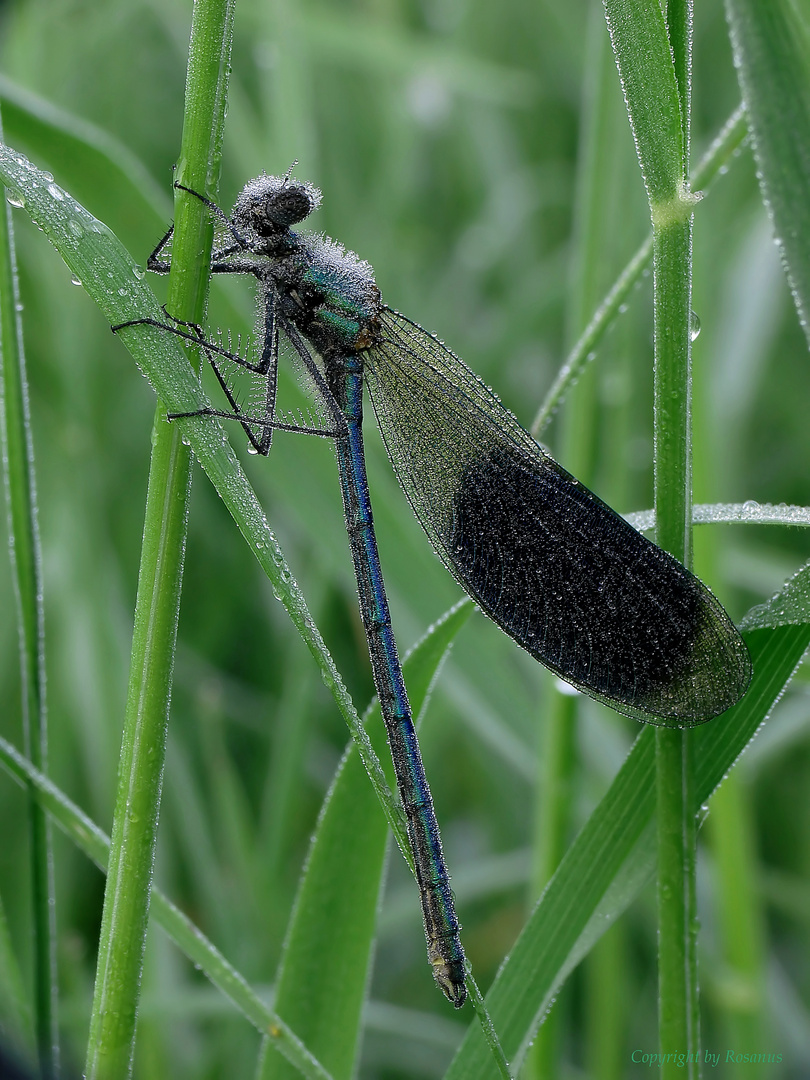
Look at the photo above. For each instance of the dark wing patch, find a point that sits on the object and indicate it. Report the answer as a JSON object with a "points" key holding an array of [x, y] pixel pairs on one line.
{"points": [[548, 561]]}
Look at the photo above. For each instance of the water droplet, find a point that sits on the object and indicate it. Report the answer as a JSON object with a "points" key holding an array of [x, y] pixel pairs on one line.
{"points": [[56, 192], [15, 198], [252, 449], [75, 280], [75, 227], [123, 292], [694, 326], [138, 272]]}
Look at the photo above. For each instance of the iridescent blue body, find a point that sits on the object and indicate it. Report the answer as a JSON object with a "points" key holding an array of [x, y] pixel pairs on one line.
{"points": [[548, 561]]}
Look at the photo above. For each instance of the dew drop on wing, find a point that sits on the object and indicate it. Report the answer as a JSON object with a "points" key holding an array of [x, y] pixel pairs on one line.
{"points": [[590, 597]]}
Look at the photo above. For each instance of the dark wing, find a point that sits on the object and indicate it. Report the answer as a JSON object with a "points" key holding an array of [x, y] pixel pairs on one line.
{"points": [[549, 562]]}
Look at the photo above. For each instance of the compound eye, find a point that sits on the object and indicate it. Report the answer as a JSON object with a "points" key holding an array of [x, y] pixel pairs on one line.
{"points": [[290, 204]]}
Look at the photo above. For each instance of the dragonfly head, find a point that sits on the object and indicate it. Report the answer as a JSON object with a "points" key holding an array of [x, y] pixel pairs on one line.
{"points": [[269, 205]]}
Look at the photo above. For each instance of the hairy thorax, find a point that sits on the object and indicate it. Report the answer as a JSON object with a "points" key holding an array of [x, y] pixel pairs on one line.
{"points": [[329, 294]]}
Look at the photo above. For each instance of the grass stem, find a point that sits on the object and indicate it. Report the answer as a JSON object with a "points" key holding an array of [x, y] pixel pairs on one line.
{"points": [[24, 549], [134, 832]]}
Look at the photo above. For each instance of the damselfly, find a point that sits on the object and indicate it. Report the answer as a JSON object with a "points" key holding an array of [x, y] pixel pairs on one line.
{"points": [[564, 575]]}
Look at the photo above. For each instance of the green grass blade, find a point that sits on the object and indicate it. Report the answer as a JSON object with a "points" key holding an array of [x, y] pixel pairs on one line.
{"points": [[323, 978], [676, 822], [614, 854], [747, 513], [772, 54], [122, 941], [90, 839], [16, 443], [644, 58]]}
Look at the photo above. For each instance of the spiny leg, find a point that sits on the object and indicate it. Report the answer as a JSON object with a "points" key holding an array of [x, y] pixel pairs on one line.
{"points": [[267, 368]]}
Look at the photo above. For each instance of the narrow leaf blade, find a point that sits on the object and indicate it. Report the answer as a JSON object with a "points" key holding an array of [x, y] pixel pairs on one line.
{"points": [[772, 55]]}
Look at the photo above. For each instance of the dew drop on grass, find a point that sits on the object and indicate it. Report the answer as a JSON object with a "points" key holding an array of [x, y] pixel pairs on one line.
{"points": [[15, 198], [694, 326], [56, 192], [75, 227], [75, 280]]}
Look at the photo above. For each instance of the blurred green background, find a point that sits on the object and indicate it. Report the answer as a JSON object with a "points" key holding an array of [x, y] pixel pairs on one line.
{"points": [[446, 136]]}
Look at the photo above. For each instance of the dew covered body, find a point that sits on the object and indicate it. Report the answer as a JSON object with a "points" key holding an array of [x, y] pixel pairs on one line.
{"points": [[559, 571]]}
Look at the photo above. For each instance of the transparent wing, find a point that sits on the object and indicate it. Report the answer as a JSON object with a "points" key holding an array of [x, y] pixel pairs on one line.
{"points": [[548, 561]]}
